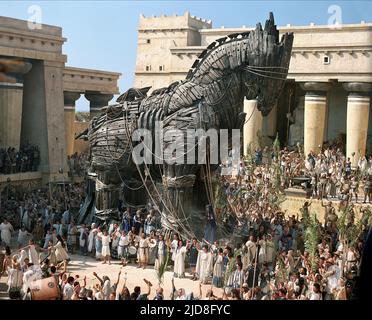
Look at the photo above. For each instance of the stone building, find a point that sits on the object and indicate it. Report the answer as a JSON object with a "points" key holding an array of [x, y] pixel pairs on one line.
{"points": [[40, 107], [327, 92]]}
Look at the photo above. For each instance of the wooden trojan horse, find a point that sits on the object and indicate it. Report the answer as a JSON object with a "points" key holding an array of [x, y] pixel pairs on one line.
{"points": [[247, 65]]}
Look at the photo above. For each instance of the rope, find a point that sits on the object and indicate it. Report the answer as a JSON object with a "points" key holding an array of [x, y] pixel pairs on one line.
{"points": [[114, 160], [223, 95], [262, 75], [149, 193]]}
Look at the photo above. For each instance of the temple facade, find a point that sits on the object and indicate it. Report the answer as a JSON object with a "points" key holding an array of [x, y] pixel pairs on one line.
{"points": [[327, 95], [39, 108]]}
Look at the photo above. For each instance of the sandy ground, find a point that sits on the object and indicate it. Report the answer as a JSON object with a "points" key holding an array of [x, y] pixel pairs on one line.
{"points": [[85, 266]]}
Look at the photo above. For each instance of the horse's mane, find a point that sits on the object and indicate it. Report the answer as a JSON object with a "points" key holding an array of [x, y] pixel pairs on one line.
{"points": [[270, 28], [212, 47]]}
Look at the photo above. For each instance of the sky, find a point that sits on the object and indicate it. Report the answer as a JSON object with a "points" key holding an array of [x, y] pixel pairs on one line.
{"points": [[103, 34]]}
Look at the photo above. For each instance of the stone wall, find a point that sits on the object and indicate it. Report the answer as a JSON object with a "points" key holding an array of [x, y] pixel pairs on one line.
{"points": [[292, 205]]}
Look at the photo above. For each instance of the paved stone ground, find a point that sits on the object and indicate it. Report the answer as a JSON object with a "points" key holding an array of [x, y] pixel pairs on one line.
{"points": [[85, 266]]}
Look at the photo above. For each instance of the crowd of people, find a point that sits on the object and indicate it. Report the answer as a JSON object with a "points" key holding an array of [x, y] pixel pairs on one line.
{"points": [[26, 159], [77, 164], [329, 173], [258, 252], [45, 205]]}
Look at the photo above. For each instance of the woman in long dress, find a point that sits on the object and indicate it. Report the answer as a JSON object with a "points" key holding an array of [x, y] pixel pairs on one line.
{"points": [[106, 254], [6, 232], [270, 252], [193, 257], [33, 256], [179, 260], [22, 237], [61, 253], [143, 252], [217, 279], [7, 260], [22, 258], [204, 265], [152, 247], [52, 253], [15, 279], [262, 253]]}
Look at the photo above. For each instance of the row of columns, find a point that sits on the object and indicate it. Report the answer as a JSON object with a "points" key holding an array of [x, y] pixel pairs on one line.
{"points": [[96, 100], [358, 104]]}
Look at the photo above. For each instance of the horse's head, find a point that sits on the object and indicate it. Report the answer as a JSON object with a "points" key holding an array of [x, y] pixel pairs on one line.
{"points": [[257, 56], [266, 67]]}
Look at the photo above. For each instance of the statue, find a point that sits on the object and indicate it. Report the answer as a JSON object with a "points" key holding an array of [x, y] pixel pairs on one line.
{"points": [[252, 65], [296, 131]]}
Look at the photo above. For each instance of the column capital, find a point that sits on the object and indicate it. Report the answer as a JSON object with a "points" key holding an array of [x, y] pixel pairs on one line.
{"points": [[12, 70], [316, 88], [98, 100], [358, 88], [70, 98]]}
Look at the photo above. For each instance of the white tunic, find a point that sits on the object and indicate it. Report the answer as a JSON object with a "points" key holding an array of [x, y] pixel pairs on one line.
{"points": [[91, 240], [61, 253], [22, 237], [179, 261], [123, 242], [15, 278], [251, 246], [204, 265], [33, 255], [105, 246], [174, 245], [6, 234]]}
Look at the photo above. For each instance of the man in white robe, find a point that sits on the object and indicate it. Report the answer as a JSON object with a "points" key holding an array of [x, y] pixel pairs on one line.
{"points": [[204, 264]]}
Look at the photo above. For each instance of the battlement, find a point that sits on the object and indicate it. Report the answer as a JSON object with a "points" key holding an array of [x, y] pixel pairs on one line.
{"points": [[164, 22]]}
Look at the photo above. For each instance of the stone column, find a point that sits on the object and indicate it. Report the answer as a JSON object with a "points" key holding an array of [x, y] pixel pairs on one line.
{"points": [[358, 103], [69, 112], [315, 115], [269, 127], [11, 98], [97, 101], [43, 117], [252, 126]]}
